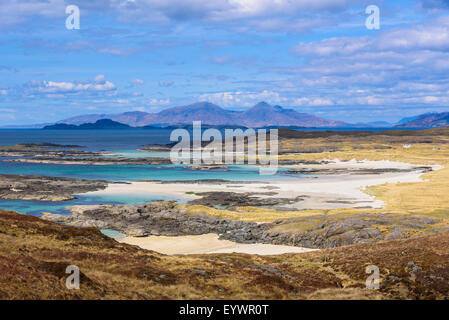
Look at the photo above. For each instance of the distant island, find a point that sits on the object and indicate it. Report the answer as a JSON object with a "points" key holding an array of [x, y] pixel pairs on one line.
{"points": [[262, 115], [100, 124]]}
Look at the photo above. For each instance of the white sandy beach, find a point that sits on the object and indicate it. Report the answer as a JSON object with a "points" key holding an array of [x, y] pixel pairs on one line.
{"points": [[323, 192], [334, 191], [206, 243]]}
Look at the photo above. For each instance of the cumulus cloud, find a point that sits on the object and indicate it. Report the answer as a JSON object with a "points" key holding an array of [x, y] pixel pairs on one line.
{"points": [[309, 101], [400, 66], [14, 12], [54, 87], [261, 14], [223, 10], [157, 102], [100, 78]]}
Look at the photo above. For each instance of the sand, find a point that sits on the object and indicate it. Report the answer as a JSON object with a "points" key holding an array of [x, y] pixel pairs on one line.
{"points": [[323, 192], [204, 244]]}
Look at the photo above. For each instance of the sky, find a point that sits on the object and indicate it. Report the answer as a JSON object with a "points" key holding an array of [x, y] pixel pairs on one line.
{"points": [[315, 56]]}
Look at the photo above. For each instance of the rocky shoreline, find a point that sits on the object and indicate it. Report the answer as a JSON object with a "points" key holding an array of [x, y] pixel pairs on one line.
{"points": [[50, 153], [94, 160], [319, 231], [358, 171], [230, 200], [43, 188]]}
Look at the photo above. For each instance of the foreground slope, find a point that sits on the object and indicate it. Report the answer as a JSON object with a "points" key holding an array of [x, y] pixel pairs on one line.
{"points": [[35, 253]]}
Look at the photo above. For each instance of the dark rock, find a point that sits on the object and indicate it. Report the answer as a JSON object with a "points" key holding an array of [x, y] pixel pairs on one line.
{"points": [[33, 187], [413, 267]]}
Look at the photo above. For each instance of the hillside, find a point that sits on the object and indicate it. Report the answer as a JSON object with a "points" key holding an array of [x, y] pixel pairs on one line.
{"points": [[260, 115], [427, 120], [35, 253]]}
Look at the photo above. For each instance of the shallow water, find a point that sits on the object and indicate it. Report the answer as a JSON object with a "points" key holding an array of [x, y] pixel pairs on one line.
{"points": [[35, 208], [122, 143]]}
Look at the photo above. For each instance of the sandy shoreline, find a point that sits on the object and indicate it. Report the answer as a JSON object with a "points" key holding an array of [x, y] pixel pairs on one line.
{"points": [[324, 192], [205, 244]]}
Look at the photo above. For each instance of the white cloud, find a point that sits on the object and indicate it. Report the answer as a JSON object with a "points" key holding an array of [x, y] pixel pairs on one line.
{"points": [[306, 101], [396, 67], [54, 87], [272, 15], [19, 11], [100, 78], [333, 46], [157, 102], [223, 10], [137, 82], [242, 98]]}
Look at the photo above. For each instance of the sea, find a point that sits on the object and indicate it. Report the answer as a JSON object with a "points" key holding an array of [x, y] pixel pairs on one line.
{"points": [[121, 143]]}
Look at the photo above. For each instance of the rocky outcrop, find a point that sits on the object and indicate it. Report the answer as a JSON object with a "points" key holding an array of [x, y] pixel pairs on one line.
{"points": [[357, 171], [329, 231], [206, 167], [34, 187], [148, 219], [60, 154], [238, 199], [44, 150], [94, 160], [321, 231]]}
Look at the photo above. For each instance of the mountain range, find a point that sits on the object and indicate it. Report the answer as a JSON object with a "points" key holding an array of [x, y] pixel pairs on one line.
{"points": [[261, 115]]}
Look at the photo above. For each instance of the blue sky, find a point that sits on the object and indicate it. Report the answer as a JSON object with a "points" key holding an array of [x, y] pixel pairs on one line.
{"points": [[314, 56]]}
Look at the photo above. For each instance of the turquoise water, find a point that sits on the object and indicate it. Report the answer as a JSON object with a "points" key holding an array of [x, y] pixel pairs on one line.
{"points": [[122, 143], [92, 140], [136, 172], [112, 233], [139, 154], [36, 208]]}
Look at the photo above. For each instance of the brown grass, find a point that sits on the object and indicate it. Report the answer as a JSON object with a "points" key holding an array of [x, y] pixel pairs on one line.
{"points": [[34, 254]]}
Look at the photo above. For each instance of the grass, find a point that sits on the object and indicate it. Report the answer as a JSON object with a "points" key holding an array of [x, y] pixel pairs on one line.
{"points": [[428, 147], [250, 214], [424, 198], [34, 254]]}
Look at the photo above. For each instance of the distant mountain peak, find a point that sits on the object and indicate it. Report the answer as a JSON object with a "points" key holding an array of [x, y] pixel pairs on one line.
{"points": [[203, 105], [262, 105]]}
